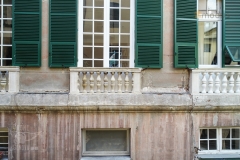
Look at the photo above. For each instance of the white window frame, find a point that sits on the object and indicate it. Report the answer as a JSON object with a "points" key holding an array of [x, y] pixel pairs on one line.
{"points": [[219, 143], [106, 34], [105, 153], [219, 37]]}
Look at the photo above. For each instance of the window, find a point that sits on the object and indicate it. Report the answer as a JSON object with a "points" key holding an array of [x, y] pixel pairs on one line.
{"points": [[3, 143], [106, 142], [207, 33], [107, 28], [6, 33], [220, 140]]}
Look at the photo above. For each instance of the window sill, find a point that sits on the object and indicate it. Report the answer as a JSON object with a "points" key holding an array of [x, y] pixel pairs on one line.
{"points": [[107, 158], [220, 155]]}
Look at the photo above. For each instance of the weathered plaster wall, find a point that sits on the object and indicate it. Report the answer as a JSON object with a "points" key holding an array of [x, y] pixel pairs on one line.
{"points": [[57, 135]]}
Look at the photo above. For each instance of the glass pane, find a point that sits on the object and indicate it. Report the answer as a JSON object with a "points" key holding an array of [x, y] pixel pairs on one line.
{"points": [[226, 144], [98, 63], [124, 64], [7, 52], [114, 27], [3, 139], [212, 4], [207, 38], [87, 63], [114, 40], [212, 133], [233, 54], [7, 12], [7, 25], [125, 3], [98, 13], [113, 63], [225, 133], [4, 147], [87, 39], [125, 40], [235, 133], [125, 53], [87, 13], [115, 1], [3, 133], [87, 26], [204, 145], [125, 27], [203, 134], [98, 53], [7, 38], [7, 1], [125, 14], [87, 52], [7, 62], [99, 3], [114, 14], [98, 40], [202, 5], [212, 144], [88, 3], [98, 26], [106, 141], [235, 144], [114, 53]]}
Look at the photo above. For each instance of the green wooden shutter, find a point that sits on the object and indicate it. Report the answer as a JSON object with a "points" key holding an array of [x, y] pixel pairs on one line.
{"points": [[63, 33], [148, 34], [185, 34], [26, 38], [231, 31]]}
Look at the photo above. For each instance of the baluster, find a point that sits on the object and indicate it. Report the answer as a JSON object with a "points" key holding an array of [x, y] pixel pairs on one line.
{"points": [[85, 82], [98, 82], [224, 83], [217, 83], [127, 83], [238, 82], [210, 83], [80, 83], [204, 82], [106, 82], [91, 82], [113, 82], [120, 82], [3, 82], [231, 83]]}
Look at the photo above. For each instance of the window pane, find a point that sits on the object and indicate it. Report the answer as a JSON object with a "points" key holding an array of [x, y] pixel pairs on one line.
{"points": [[106, 141], [114, 40], [212, 133], [116, 1], [125, 3], [225, 133], [212, 4], [203, 134], [235, 144], [87, 39], [87, 13], [207, 37], [99, 3], [3, 139], [87, 63], [7, 51], [7, 25], [125, 40], [114, 27], [7, 38], [87, 26], [212, 144], [98, 13], [87, 52], [98, 63], [202, 5], [88, 3], [7, 1], [125, 14], [7, 62], [7, 12], [232, 54], [98, 40], [226, 144], [3, 133], [125, 27], [98, 26], [125, 53], [124, 64], [235, 133], [98, 53], [204, 145]]}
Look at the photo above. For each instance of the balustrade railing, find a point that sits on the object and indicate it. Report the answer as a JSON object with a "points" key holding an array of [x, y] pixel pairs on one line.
{"points": [[9, 79], [215, 81], [105, 80]]}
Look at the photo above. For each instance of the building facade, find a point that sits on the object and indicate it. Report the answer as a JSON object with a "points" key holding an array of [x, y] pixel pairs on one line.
{"points": [[120, 79]]}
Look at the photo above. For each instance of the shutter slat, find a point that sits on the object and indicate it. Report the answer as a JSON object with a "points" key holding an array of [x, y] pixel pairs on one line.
{"points": [[185, 34], [63, 33], [148, 34], [26, 32]]}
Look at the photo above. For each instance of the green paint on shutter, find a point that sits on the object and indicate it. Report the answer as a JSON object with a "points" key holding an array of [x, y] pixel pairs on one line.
{"points": [[231, 31], [63, 33], [185, 34], [26, 38], [148, 34]]}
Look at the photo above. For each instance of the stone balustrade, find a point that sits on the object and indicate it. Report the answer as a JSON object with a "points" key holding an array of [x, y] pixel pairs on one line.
{"points": [[105, 80], [215, 81], [9, 79]]}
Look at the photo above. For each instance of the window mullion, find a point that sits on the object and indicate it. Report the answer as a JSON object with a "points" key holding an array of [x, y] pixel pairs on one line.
{"points": [[106, 32], [80, 34], [132, 21]]}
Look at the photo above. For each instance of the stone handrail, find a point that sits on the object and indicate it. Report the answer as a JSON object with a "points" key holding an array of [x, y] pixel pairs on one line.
{"points": [[215, 81], [105, 80], [9, 79]]}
